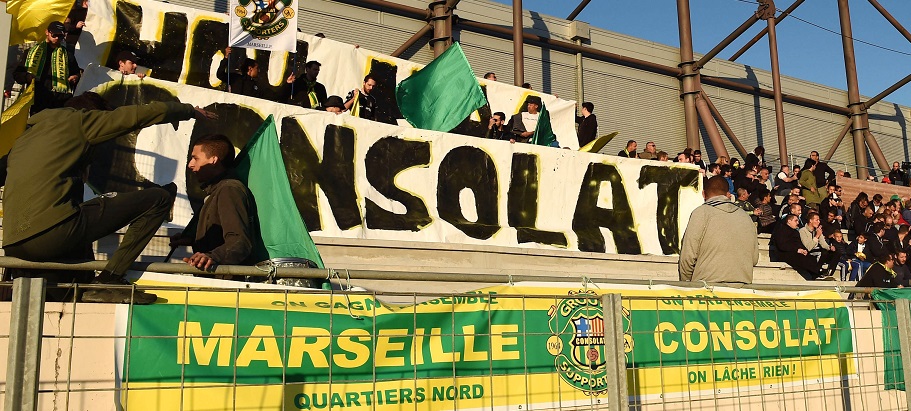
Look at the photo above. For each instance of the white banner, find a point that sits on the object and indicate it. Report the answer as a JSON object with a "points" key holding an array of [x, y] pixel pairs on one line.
{"points": [[264, 24], [355, 178], [185, 46]]}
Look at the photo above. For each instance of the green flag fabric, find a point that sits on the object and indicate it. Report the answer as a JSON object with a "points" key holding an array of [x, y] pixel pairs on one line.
{"points": [[283, 231], [442, 94], [894, 378], [544, 132]]}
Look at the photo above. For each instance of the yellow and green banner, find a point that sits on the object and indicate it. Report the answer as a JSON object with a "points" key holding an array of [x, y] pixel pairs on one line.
{"points": [[528, 345]]}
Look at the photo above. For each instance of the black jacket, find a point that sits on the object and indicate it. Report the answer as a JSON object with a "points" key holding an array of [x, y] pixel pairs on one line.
{"points": [[588, 129]]}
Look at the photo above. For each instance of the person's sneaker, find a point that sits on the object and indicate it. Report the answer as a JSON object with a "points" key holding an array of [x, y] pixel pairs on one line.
{"points": [[825, 278], [118, 294]]}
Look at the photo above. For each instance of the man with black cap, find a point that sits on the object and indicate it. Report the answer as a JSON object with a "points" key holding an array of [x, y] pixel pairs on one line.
{"points": [[306, 91], [126, 63], [522, 125], [242, 79], [52, 67]]}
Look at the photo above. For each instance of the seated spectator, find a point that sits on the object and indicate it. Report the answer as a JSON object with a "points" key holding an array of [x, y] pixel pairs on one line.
{"points": [[877, 202], [225, 229], [897, 175], [649, 152], [843, 264], [814, 241], [763, 178], [722, 160], [361, 102], [727, 171], [856, 256], [334, 104], [490, 76], [683, 157], [306, 91], [629, 151], [797, 210], [902, 271], [241, 80], [880, 275], [126, 63], [786, 207], [742, 201], [876, 246], [832, 224], [662, 156], [762, 200], [906, 212], [903, 239], [864, 222], [713, 170], [784, 181], [496, 127], [747, 180], [832, 201], [791, 250], [735, 163], [756, 158], [522, 125]]}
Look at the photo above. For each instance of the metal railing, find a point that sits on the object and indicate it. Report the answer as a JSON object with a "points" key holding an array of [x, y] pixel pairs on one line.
{"points": [[638, 344]]}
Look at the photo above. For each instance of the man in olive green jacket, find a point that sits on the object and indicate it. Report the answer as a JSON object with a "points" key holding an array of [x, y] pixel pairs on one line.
{"points": [[45, 216]]}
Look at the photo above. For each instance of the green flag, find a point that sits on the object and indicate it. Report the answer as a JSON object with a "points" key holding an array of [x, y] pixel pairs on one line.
{"points": [[544, 133], [893, 377], [442, 94], [283, 231]]}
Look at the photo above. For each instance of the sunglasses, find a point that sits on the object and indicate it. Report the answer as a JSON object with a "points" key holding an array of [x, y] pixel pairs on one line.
{"points": [[56, 35]]}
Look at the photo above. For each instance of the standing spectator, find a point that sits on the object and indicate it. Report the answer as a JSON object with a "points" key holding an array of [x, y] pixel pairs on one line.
{"points": [[747, 179], [496, 128], [877, 202], [903, 239], [706, 256], [785, 181], [902, 272], [360, 102], [662, 156], [242, 80], [629, 151], [756, 158], [808, 181], [308, 93], [74, 23], [522, 125], [51, 67], [588, 124], [649, 152], [880, 275], [490, 76], [722, 160], [897, 175], [876, 246], [684, 157], [791, 250], [857, 257], [823, 173], [713, 170], [856, 208], [727, 171], [841, 254], [334, 104], [697, 159]]}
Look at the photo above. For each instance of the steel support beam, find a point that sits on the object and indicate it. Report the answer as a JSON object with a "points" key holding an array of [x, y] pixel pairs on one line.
{"points": [[414, 39], [518, 43], [705, 114], [877, 152], [24, 359], [689, 74], [841, 136], [901, 83], [615, 353], [854, 103], [882, 10], [727, 41], [580, 75], [765, 30], [724, 124], [572, 16], [767, 11]]}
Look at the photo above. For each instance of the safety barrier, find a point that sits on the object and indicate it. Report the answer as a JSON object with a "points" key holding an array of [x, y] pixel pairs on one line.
{"points": [[521, 346]]}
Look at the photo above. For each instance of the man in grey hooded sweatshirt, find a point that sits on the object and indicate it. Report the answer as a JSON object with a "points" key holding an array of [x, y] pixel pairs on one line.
{"points": [[719, 245]]}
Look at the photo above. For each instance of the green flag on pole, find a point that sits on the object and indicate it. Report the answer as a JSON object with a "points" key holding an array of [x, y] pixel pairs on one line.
{"points": [[442, 94], [544, 132], [284, 234]]}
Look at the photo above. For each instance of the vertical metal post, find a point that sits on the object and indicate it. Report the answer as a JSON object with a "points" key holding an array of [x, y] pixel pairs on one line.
{"points": [[580, 93], [518, 43], [441, 20], [689, 76], [767, 12], [24, 358], [903, 315], [615, 356], [854, 103]]}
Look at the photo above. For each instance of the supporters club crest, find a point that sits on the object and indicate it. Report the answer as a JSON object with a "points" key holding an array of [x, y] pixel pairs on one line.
{"points": [[577, 341], [264, 18]]}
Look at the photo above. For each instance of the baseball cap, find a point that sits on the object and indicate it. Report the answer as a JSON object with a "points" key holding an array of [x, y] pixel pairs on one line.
{"points": [[127, 55], [56, 27]]}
